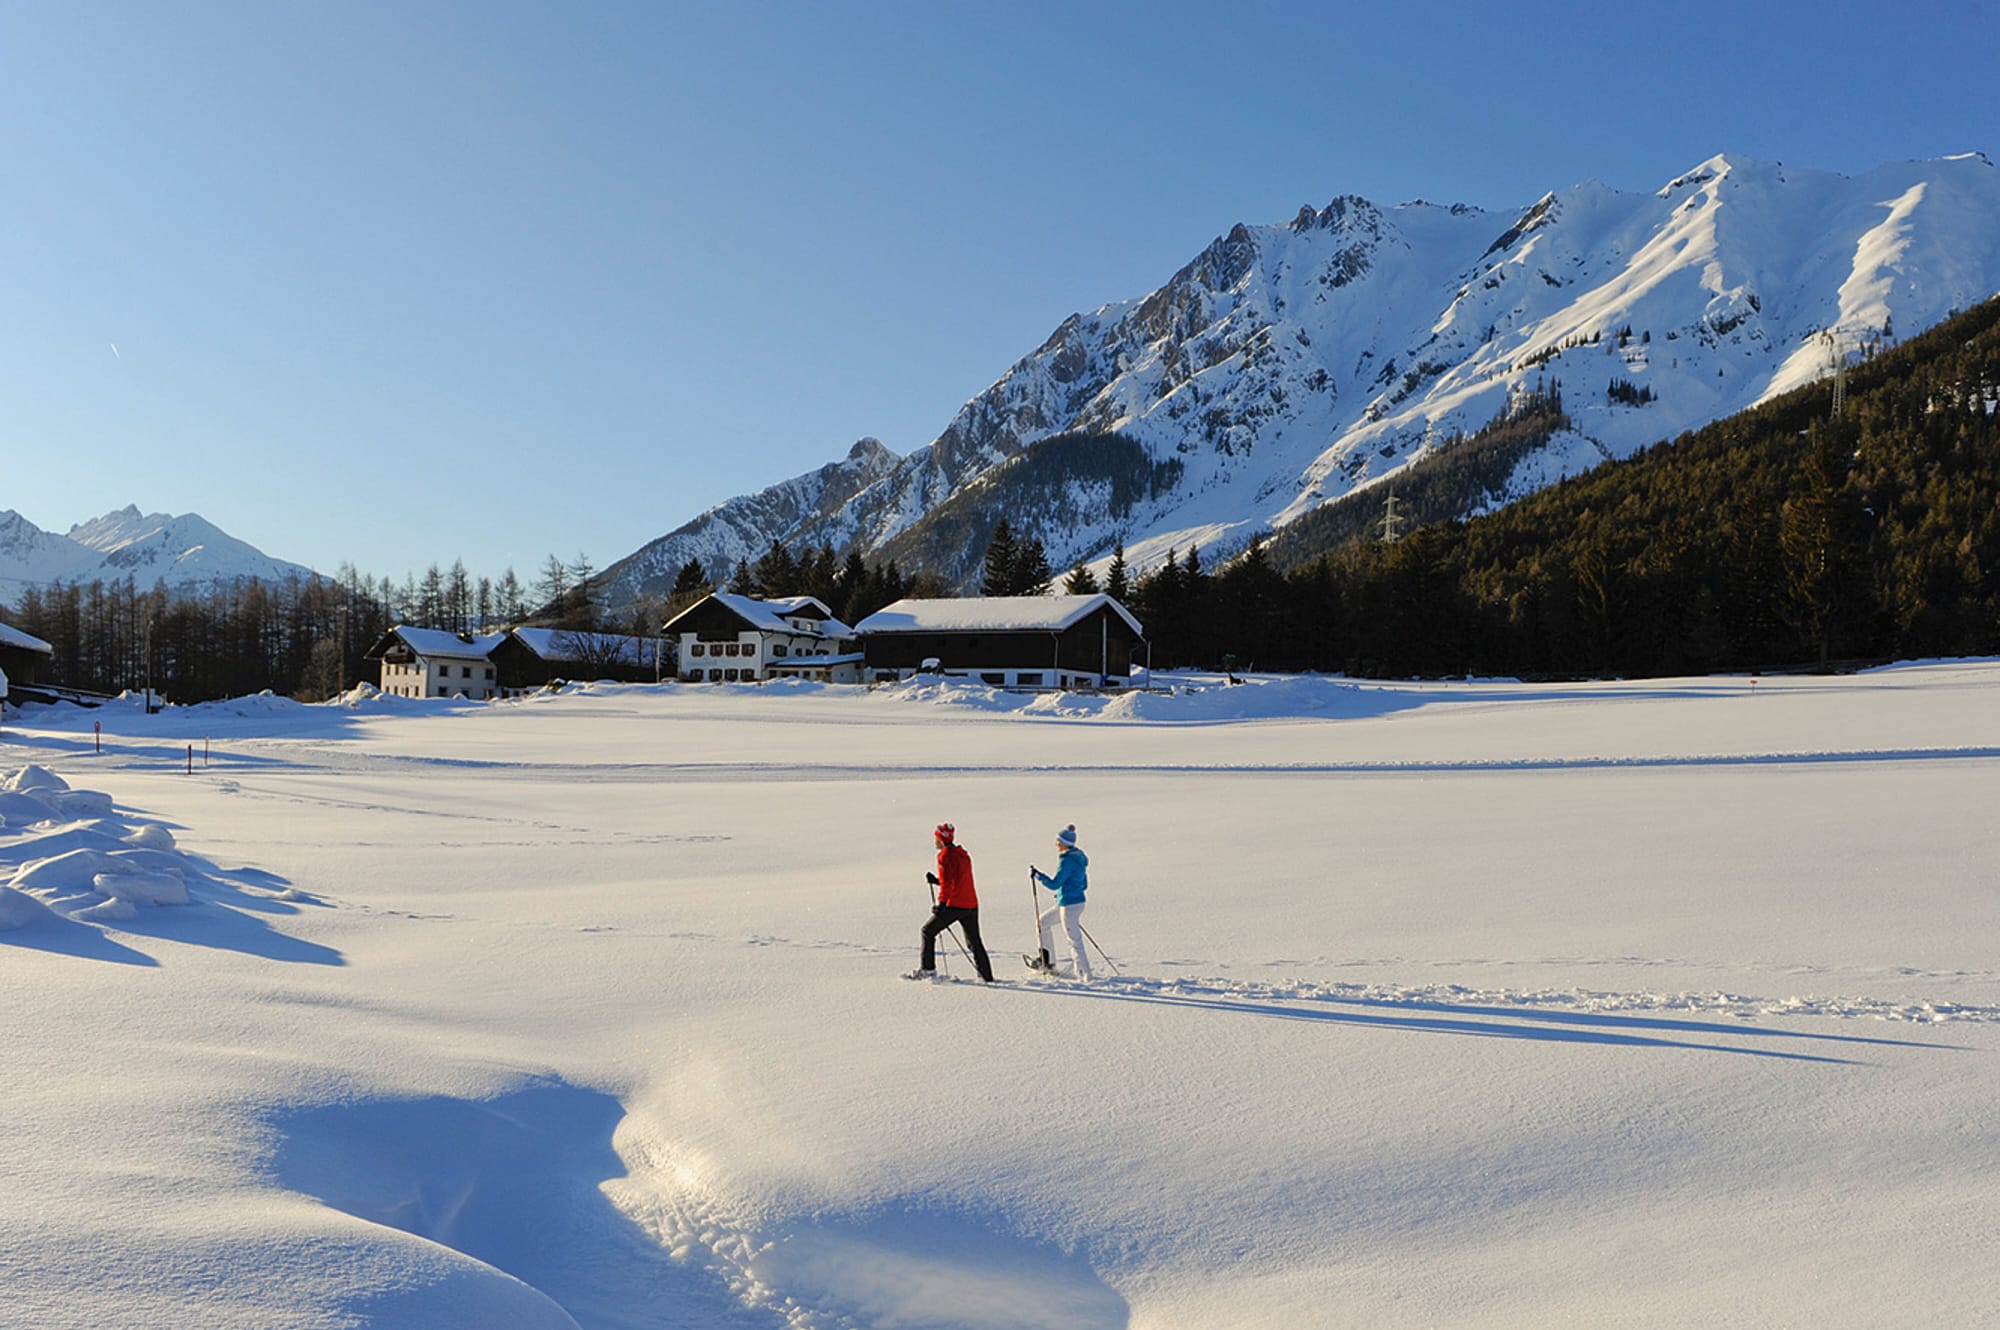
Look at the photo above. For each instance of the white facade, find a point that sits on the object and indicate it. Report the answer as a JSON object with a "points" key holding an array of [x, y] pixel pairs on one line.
{"points": [[429, 662], [762, 636]]}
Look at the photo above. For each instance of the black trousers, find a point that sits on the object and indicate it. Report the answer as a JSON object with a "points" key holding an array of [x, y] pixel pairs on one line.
{"points": [[943, 917]]}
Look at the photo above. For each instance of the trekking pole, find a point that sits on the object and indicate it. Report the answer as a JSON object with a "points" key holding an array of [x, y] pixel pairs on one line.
{"points": [[951, 933], [1035, 909], [943, 956], [1100, 951]]}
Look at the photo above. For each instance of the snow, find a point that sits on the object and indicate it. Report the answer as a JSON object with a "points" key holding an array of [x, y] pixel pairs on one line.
{"points": [[432, 643], [559, 644], [996, 614], [186, 552], [1453, 1004], [770, 616], [14, 637]]}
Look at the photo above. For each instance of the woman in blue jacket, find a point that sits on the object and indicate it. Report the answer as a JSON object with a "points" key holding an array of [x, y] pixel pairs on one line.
{"points": [[1071, 880]]}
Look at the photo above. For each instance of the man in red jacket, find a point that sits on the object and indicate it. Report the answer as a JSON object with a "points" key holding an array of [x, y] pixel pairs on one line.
{"points": [[957, 903]]}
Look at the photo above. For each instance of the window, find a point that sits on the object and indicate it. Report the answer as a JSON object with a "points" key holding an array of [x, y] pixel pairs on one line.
{"points": [[779, 649], [1029, 680], [997, 680], [731, 648], [465, 672], [697, 649], [729, 676], [489, 671]]}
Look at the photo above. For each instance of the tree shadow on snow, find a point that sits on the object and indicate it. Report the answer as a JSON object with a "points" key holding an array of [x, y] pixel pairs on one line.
{"points": [[1483, 1022]]}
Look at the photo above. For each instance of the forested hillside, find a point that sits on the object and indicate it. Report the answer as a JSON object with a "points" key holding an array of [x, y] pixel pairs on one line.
{"points": [[1783, 536]]}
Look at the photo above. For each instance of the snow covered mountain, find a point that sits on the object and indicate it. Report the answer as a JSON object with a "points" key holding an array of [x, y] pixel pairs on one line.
{"points": [[185, 552], [744, 527], [1288, 365]]}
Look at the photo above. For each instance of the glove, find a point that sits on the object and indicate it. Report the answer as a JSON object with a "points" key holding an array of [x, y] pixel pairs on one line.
{"points": [[931, 878]]}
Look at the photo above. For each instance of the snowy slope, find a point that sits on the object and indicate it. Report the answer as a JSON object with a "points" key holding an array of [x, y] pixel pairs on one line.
{"points": [[744, 527], [30, 556], [186, 551], [1288, 365], [1475, 1005]]}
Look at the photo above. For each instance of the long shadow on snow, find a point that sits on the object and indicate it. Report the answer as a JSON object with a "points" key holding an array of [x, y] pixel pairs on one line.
{"points": [[66, 937], [1435, 1025], [511, 1183], [1608, 1020]]}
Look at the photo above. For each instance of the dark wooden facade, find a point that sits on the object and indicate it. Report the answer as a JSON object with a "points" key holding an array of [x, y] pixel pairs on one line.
{"points": [[24, 666], [1102, 643], [521, 667]]}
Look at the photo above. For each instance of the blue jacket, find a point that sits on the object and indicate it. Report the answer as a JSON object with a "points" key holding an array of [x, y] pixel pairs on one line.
{"points": [[1070, 881]]}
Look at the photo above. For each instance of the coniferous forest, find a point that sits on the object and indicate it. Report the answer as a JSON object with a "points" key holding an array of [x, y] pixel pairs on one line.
{"points": [[1785, 537]]}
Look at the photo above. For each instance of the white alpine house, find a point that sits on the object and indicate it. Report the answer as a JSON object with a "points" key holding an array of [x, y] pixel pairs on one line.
{"points": [[432, 662], [729, 638]]}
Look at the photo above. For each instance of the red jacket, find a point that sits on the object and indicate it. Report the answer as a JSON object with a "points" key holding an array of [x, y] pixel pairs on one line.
{"points": [[955, 879]]}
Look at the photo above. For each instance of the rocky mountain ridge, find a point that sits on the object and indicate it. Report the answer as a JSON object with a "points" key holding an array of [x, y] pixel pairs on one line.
{"points": [[185, 552], [1288, 365]]}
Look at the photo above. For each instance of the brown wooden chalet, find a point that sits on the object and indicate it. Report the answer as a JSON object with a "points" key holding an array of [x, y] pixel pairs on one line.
{"points": [[1006, 641], [24, 658], [531, 658]]}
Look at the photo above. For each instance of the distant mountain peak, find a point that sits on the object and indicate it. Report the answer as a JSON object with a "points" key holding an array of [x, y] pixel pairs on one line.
{"points": [[1287, 365], [187, 551]]}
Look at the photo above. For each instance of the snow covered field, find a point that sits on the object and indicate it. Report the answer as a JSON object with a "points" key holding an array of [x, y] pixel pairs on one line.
{"points": [[1637, 1004]]}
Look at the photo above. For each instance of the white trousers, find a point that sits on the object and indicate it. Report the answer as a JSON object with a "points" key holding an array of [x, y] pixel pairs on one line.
{"points": [[1072, 922]]}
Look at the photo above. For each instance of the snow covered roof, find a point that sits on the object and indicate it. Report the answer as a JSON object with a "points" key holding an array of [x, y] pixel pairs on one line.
{"points": [[435, 642], [14, 637], [992, 614], [769, 616], [567, 644], [793, 604]]}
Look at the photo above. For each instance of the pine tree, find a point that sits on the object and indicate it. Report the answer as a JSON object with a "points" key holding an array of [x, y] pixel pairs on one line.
{"points": [[1117, 583], [508, 595], [1081, 581], [554, 580], [777, 572], [690, 585], [1031, 571], [1002, 558]]}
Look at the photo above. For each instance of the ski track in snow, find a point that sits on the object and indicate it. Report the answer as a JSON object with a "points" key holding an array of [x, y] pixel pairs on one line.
{"points": [[806, 772], [1511, 1002]]}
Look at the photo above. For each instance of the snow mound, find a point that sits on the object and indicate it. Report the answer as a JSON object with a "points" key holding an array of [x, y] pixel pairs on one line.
{"points": [[1193, 700], [64, 851]]}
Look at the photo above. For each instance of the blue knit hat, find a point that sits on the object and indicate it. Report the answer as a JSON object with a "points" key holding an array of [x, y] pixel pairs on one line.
{"points": [[1067, 836]]}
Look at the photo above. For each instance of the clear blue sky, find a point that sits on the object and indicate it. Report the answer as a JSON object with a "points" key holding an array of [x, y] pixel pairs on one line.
{"points": [[399, 283]]}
